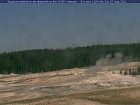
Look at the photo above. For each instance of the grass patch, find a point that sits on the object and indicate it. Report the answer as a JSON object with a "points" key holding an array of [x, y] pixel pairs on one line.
{"points": [[127, 96], [123, 96]]}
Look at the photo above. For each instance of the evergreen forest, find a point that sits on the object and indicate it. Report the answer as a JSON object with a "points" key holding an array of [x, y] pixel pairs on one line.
{"points": [[44, 60]]}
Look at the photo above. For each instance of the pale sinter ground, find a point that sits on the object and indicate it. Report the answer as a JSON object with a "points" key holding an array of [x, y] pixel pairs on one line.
{"points": [[29, 86]]}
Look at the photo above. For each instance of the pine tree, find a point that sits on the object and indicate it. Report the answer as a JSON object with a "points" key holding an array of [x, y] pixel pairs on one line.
{"points": [[138, 70], [125, 73], [113, 72], [130, 73], [133, 72], [120, 71]]}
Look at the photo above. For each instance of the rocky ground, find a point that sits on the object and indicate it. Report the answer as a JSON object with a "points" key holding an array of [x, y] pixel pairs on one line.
{"points": [[22, 87]]}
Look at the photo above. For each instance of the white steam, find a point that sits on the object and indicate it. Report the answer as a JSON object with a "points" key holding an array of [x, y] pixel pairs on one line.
{"points": [[108, 61]]}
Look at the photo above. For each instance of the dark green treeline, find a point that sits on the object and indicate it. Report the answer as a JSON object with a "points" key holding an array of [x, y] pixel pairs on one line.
{"points": [[34, 61]]}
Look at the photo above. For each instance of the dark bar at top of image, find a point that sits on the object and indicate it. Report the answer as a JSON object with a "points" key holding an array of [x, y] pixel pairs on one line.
{"points": [[3, 1], [132, 1], [78, 1]]}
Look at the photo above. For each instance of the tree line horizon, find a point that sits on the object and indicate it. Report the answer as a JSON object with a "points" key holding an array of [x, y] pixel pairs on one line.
{"points": [[44, 60]]}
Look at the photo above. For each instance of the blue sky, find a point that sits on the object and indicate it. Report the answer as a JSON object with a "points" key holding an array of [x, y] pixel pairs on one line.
{"points": [[35, 26]]}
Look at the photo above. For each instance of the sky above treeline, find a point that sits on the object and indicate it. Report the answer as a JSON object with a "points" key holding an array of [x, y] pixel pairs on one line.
{"points": [[39, 26]]}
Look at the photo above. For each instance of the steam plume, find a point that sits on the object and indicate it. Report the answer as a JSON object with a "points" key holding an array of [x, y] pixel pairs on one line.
{"points": [[108, 61]]}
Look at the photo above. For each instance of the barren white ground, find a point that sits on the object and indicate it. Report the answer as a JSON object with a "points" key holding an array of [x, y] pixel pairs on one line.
{"points": [[19, 87]]}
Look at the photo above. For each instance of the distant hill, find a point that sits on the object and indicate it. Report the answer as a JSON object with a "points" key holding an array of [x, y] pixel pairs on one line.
{"points": [[34, 61]]}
